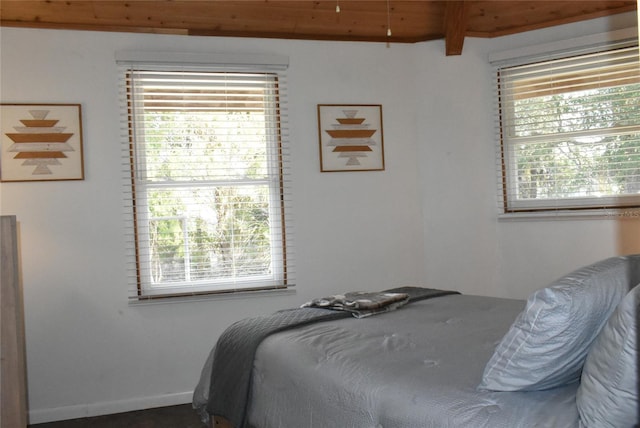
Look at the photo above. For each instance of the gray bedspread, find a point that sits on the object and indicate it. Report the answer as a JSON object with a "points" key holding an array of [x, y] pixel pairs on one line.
{"points": [[417, 367], [229, 392], [233, 356]]}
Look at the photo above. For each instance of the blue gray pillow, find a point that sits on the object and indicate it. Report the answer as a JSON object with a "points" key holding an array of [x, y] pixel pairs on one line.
{"points": [[548, 342], [608, 392]]}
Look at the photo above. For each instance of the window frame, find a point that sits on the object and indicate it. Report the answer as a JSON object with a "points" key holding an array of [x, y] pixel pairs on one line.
{"points": [[507, 171], [137, 215]]}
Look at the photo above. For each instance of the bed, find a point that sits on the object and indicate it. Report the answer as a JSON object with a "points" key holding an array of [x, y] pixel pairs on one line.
{"points": [[452, 360]]}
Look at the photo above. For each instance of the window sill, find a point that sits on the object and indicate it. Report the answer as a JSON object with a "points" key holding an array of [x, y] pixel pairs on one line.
{"points": [[159, 300], [595, 214]]}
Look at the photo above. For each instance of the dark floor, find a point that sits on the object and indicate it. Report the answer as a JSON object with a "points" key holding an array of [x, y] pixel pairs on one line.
{"points": [[182, 416]]}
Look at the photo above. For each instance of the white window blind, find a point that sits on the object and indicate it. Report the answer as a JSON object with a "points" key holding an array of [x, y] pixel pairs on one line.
{"points": [[569, 130], [206, 178]]}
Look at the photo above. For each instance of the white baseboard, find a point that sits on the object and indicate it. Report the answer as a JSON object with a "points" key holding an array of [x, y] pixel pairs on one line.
{"points": [[39, 416]]}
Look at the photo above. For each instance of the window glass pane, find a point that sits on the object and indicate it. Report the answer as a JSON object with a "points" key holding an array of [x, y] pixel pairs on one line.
{"points": [[580, 167], [204, 145], [200, 233]]}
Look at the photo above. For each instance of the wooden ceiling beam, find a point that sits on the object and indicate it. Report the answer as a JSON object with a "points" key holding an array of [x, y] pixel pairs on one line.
{"points": [[455, 26], [359, 20]]}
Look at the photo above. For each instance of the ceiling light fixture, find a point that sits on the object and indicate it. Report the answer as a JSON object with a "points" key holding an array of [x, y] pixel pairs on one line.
{"points": [[337, 6], [388, 20]]}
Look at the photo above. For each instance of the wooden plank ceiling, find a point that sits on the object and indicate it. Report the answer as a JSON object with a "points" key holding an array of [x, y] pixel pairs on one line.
{"points": [[407, 21]]}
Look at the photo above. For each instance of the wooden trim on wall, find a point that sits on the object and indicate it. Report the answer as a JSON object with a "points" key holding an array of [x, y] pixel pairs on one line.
{"points": [[13, 379]]}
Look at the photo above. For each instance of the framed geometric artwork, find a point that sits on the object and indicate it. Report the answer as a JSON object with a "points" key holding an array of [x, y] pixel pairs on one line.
{"points": [[41, 142], [351, 137]]}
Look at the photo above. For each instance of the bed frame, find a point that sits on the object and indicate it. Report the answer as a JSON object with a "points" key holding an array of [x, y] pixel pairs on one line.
{"points": [[220, 422]]}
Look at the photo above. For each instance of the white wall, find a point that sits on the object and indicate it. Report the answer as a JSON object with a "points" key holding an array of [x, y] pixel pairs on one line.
{"points": [[91, 352], [466, 246], [430, 218]]}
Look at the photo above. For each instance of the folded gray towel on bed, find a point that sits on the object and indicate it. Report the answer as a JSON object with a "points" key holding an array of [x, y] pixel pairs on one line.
{"points": [[360, 304]]}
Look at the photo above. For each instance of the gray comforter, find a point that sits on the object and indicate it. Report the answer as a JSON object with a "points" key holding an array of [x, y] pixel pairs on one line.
{"points": [[233, 355], [417, 367]]}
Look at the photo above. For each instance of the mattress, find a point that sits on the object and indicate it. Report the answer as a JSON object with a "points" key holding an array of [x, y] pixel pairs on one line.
{"points": [[418, 366]]}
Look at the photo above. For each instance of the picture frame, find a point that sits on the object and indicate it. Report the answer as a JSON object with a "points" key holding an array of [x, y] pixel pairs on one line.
{"points": [[351, 137], [41, 142]]}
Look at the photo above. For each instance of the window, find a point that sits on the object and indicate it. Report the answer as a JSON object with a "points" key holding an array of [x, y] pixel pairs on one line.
{"points": [[570, 131], [206, 179]]}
